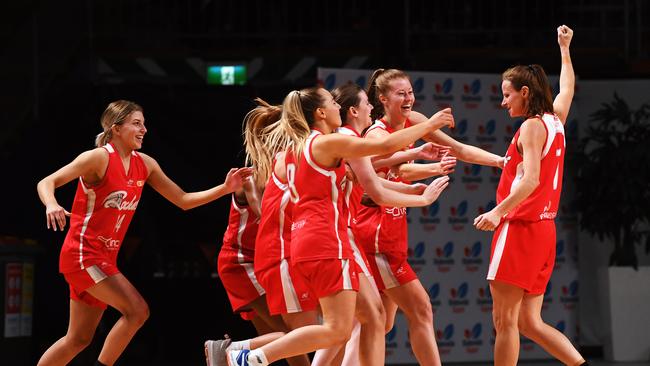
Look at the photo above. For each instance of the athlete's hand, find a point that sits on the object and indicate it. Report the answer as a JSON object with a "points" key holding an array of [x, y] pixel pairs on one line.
{"points": [[487, 221], [435, 188], [501, 163], [447, 165], [236, 177], [55, 215], [564, 36], [443, 118], [431, 151], [418, 188]]}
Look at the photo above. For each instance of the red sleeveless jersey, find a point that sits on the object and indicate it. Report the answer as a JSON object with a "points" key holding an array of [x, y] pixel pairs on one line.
{"points": [[274, 234], [543, 203], [241, 231], [319, 229], [101, 214], [382, 229], [353, 190]]}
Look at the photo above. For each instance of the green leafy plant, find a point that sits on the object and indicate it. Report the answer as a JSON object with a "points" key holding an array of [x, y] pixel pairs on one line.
{"points": [[613, 178]]}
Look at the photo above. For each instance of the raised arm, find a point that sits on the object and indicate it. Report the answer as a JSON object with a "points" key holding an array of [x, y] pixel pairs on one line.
{"points": [[464, 152], [187, 200], [562, 102], [90, 165], [531, 138]]}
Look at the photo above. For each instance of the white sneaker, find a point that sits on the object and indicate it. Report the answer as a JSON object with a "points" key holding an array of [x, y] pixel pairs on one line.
{"points": [[215, 352], [238, 357]]}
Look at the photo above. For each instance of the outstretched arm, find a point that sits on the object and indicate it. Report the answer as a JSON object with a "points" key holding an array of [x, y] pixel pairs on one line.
{"points": [[329, 149], [464, 152], [562, 102], [426, 151], [187, 200], [381, 195]]}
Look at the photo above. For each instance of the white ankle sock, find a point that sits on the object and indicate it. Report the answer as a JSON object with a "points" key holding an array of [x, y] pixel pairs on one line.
{"points": [[236, 346], [257, 358]]}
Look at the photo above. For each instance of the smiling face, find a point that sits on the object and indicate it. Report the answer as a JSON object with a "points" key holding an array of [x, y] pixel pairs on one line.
{"points": [[399, 100], [514, 100], [131, 132], [363, 109], [328, 111]]}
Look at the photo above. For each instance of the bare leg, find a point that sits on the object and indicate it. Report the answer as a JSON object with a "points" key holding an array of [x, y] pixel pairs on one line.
{"points": [[119, 293], [370, 313], [506, 300], [81, 328], [414, 301], [553, 341], [390, 308], [337, 325]]}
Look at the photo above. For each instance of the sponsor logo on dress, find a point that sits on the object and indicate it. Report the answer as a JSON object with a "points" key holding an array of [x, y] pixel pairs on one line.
{"points": [[118, 200]]}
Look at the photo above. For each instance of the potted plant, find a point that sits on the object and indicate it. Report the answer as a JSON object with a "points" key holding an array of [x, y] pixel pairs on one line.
{"points": [[613, 197]]}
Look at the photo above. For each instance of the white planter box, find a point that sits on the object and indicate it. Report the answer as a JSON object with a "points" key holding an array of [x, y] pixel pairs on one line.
{"points": [[627, 313]]}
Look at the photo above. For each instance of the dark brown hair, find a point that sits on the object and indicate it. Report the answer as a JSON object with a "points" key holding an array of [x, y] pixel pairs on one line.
{"points": [[540, 99]]}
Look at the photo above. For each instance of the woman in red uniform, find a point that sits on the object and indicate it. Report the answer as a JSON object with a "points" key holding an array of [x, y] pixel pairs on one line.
{"points": [[355, 115], [111, 178], [382, 231], [523, 247], [253, 260], [320, 248]]}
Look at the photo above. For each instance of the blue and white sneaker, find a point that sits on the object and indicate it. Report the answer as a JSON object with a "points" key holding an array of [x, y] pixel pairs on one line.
{"points": [[216, 351], [238, 358]]}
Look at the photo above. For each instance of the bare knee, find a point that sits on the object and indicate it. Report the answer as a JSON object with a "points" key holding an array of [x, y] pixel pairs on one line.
{"points": [[420, 313], [78, 342], [339, 333], [529, 326], [504, 321], [137, 314]]}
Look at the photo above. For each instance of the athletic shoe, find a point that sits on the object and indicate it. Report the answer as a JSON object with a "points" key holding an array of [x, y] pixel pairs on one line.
{"points": [[238, 358], [216, 352]]}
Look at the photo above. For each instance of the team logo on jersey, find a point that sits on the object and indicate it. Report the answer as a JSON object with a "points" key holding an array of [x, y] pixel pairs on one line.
{"points": [[118, 201], [110, 243]]}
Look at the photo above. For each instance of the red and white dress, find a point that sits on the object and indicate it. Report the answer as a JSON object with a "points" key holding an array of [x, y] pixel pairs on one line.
{"points": [[523, 246], [99, 219], [320, 248], [235, 261], [382, 232], [285, 291]]}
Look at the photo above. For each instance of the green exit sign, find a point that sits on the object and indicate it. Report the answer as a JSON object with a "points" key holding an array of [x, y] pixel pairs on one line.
{"points": [[227, 75]]}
